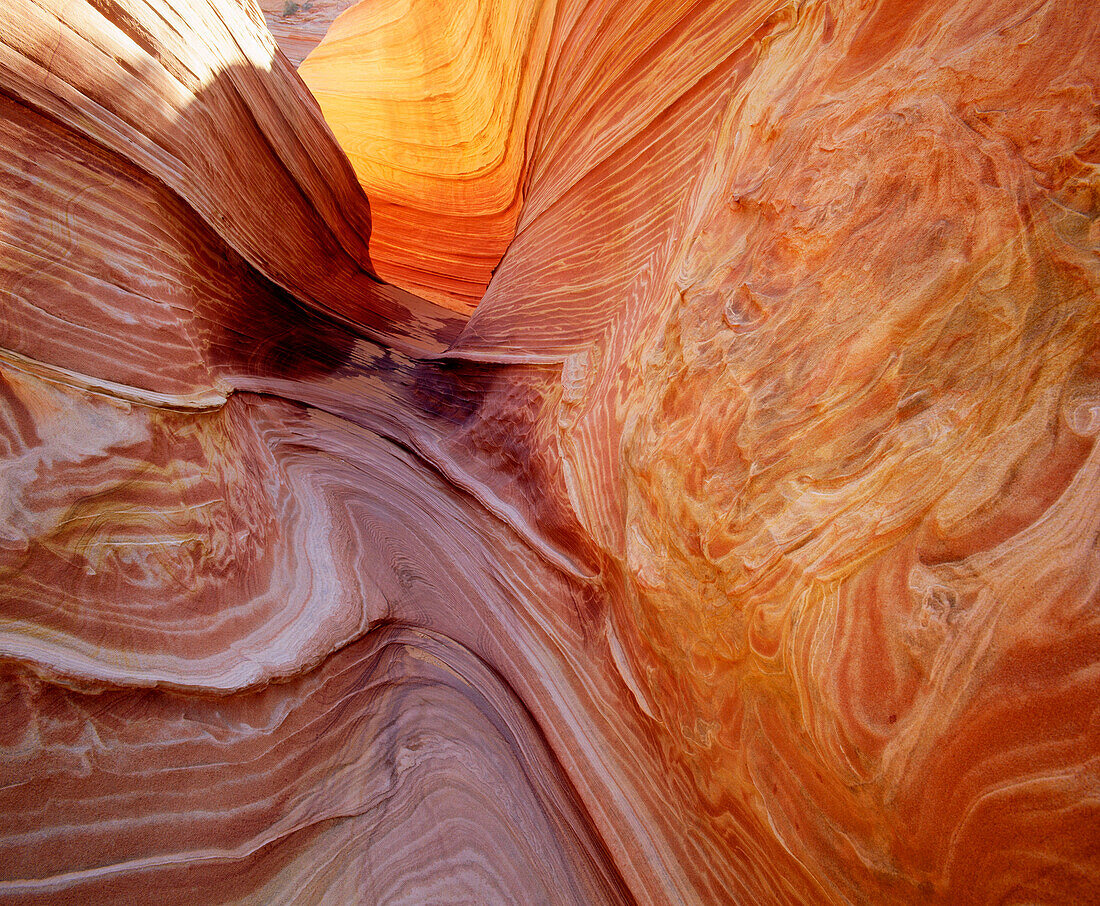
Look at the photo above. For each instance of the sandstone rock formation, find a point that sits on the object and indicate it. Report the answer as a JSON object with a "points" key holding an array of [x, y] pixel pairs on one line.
{"points": [[741, 546]]}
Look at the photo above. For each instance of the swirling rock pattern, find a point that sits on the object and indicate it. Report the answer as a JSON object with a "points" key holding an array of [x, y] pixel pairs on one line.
{"points": [[741, 545]]}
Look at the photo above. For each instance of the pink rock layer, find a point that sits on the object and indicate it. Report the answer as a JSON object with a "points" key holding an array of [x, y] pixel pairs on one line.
{"points": [[741, 546]]}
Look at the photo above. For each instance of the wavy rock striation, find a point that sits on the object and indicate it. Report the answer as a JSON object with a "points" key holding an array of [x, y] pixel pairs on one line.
{"points": [[739, 546]]}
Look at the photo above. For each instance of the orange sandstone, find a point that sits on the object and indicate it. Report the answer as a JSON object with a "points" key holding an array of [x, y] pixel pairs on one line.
{"points": [[732, 538]]}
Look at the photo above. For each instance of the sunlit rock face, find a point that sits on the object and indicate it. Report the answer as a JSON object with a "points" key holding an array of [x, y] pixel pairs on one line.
{"points": [[432, 102], [741, 545]]}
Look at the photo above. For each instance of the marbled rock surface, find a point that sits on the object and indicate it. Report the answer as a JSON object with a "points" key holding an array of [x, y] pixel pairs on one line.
{"points": [[742, 546]]}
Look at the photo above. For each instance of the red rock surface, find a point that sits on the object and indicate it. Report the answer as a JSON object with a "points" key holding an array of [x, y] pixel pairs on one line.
{"points": [[741, 546]]}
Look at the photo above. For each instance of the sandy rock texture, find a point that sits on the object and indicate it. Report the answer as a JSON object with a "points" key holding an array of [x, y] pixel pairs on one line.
{"points": [[585, 452]]}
